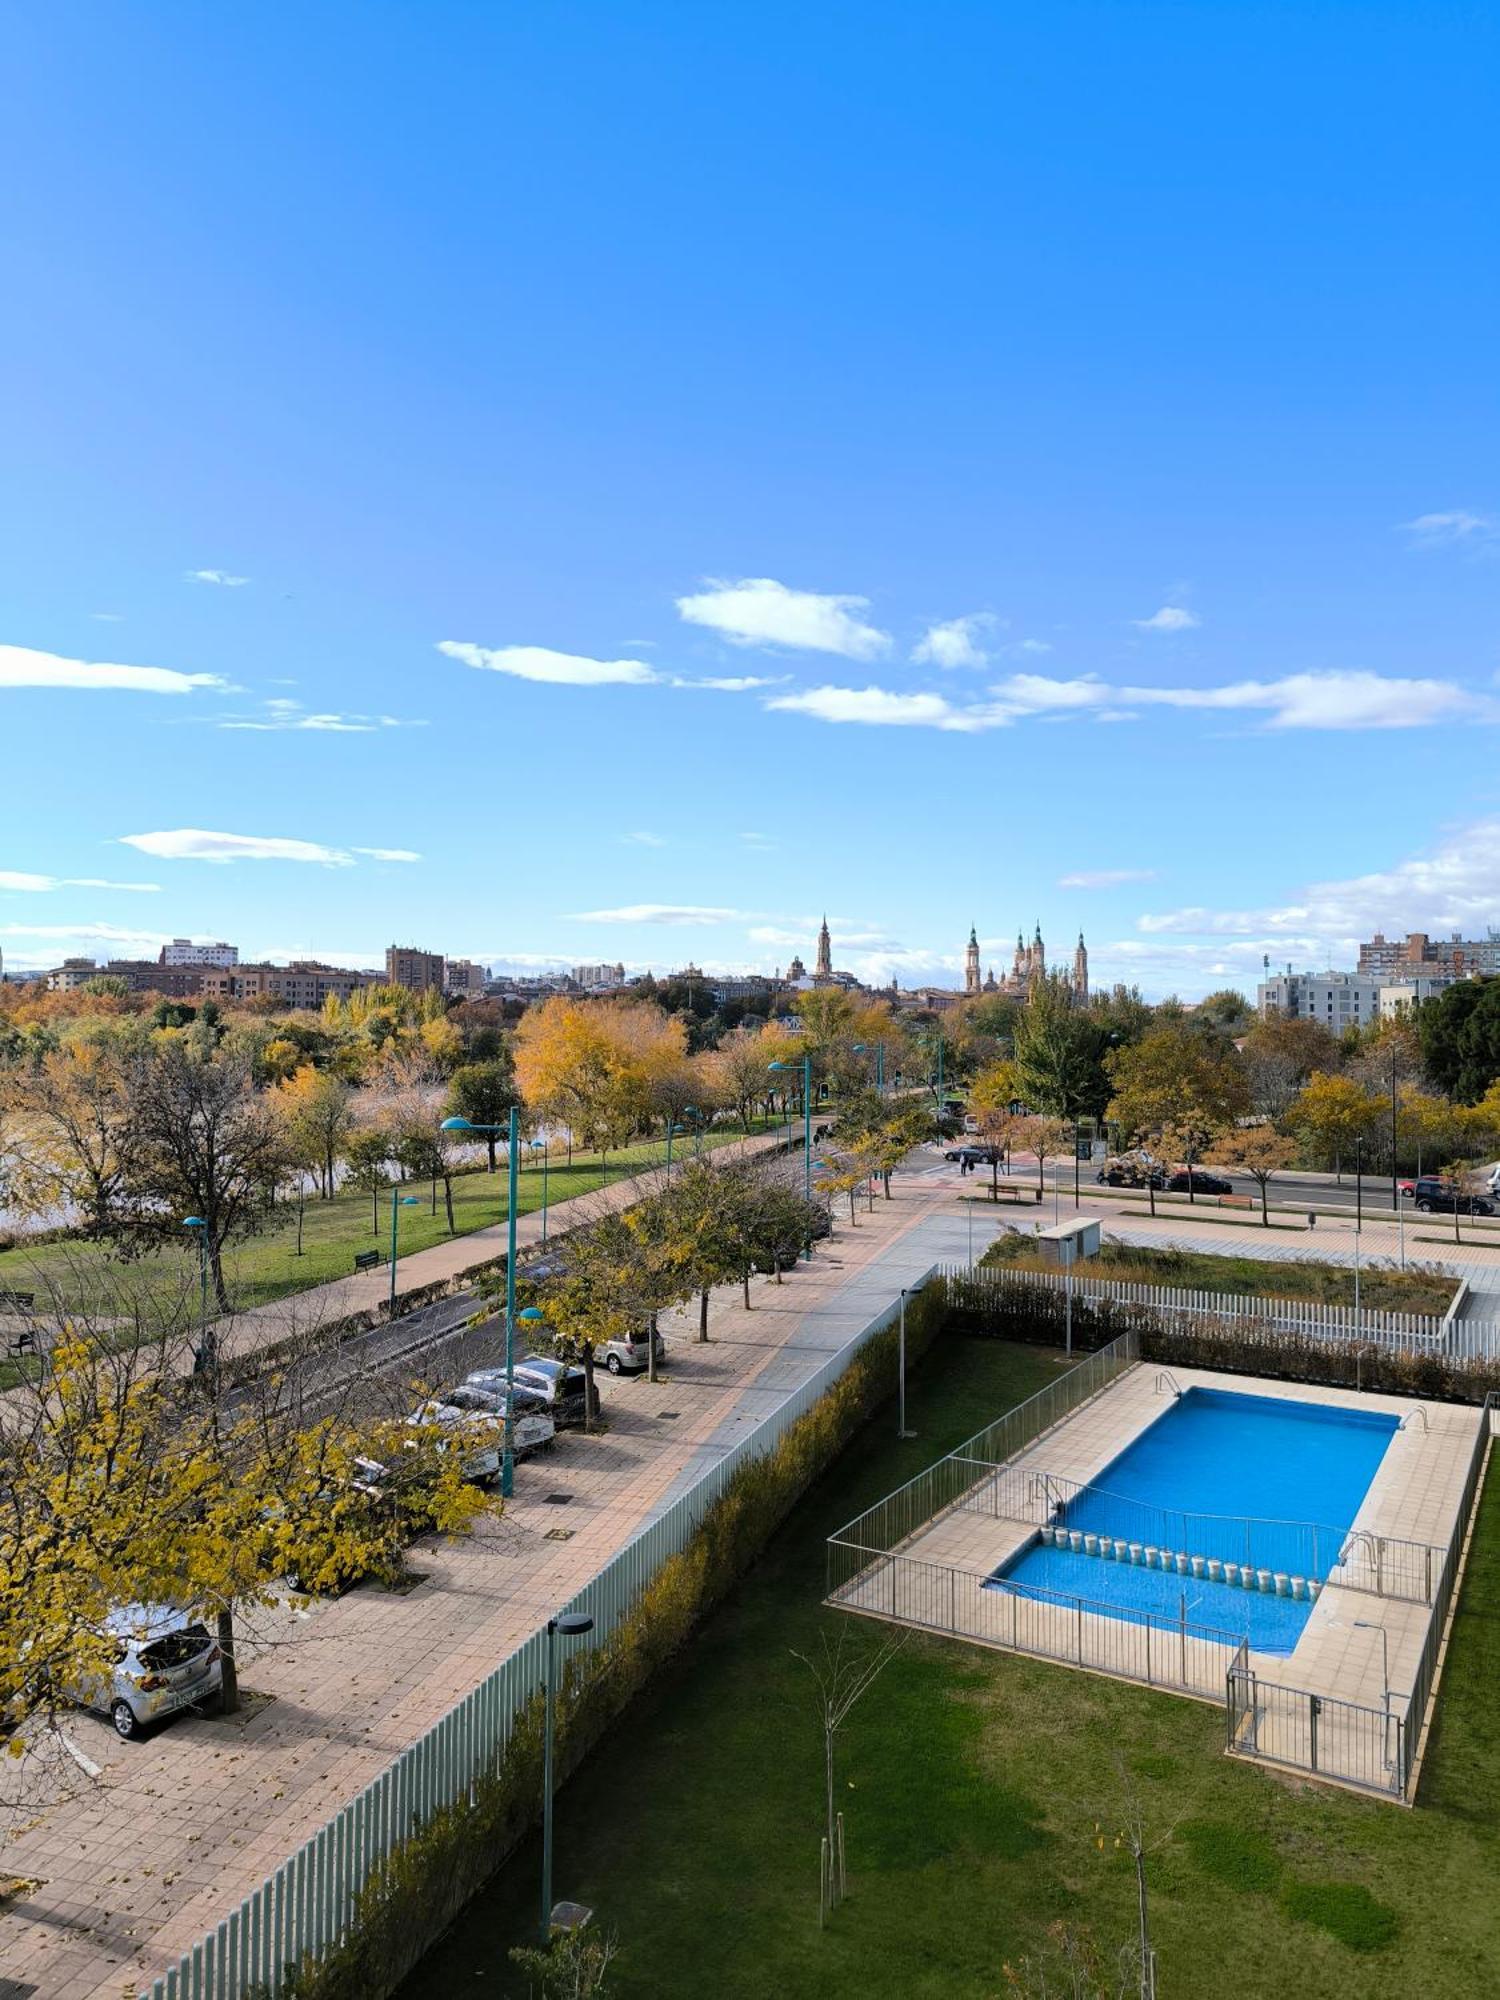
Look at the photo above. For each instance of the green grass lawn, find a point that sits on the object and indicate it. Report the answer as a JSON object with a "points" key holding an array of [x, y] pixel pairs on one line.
{"points": [[1422, 1290], [266, 1266], [972, 1783]]}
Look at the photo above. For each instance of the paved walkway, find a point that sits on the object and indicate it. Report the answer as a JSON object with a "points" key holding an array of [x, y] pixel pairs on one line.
{"points": [[142, 1860]]}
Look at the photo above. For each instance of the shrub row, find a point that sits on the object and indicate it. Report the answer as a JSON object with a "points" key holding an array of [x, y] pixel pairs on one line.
{"points": [[424, 1885], [1038, 1313]]}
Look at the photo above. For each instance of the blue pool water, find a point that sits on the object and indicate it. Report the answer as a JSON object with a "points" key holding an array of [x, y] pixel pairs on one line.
{"points": [[1255, 1480]]}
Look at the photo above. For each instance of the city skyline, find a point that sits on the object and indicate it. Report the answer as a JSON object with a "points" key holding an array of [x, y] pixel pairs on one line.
{"points": [[426, 541]]}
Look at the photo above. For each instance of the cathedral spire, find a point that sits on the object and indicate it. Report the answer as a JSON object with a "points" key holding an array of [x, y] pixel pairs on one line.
{"points": [[825, 952], [971, 962]]}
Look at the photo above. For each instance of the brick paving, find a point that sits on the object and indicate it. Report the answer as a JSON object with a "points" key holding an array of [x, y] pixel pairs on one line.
{"points": [[135, 1867]]}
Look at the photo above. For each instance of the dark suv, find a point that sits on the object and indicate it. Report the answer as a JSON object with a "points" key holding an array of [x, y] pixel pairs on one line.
{"points": [[1194, 1181], [1443, 1198]]}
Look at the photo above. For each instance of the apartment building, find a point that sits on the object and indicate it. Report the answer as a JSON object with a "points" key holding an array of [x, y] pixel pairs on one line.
{"points": [[417, 971], [1418, 956], [465, 979], [1338, 999], [305, 983], [182, 951], [590, 977]]}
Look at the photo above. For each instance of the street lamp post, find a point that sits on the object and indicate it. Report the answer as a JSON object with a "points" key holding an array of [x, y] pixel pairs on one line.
{"points": [[204, 1360], [572, 1625], [1069, 1248], [907, 1292], [397, 1202], [540, 1145], [1359, 1189], [1077, 1142], [863, 1049], [513, 1147], [806, 1133], [1369, 1625]]}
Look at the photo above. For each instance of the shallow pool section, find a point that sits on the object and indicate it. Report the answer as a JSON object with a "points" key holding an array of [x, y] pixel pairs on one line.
{"points": [[1228, 1511]]}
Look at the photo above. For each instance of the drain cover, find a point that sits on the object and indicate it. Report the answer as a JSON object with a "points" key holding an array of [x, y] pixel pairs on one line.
{"points": [[558, 1535], [669, 1416], [556, 1499]]}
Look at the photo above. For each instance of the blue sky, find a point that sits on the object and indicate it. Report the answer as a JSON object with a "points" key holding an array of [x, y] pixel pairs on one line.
{"points": [[660, 472]]}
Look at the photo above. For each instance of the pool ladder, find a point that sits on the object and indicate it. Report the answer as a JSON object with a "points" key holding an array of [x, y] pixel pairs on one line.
{"points": [[1165, 1375], [1417, 1410]]}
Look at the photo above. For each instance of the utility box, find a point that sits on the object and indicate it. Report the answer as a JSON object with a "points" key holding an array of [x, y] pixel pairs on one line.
{"points": [[1066, 1243]]}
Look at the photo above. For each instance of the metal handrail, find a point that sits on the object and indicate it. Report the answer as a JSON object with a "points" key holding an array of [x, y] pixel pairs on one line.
{"points": [[1166, 1375]]}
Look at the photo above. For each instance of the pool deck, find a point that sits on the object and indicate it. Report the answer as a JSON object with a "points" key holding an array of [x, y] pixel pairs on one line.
{"points": [[1414, 1496]]}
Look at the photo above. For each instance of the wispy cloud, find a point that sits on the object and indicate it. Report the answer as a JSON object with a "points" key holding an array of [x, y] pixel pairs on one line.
{"points": [[956, 641], [19, 882], [759, 840], [541, 663], [731, 683], [97, 933], [387, 853], [759, 611], [194, 844], [25, 667], [108, 617], [676, 914], [1104, 878], [1170, 618], [640, 839], [221, 577], [283, 714], [1324, 701], [1459, 529]]}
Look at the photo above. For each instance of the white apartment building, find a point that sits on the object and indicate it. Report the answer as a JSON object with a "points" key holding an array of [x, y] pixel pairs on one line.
{"points": [[1338, 999], [182, 951], [464, 977]]}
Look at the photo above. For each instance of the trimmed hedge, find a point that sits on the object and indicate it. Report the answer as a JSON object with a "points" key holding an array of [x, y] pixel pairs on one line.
{"points": [[1038, 1313], [424, 1885]]}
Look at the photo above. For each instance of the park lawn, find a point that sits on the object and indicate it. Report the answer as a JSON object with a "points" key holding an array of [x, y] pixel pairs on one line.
{"points": [[266, 1267], [1419, 1290], [972, 1783]]}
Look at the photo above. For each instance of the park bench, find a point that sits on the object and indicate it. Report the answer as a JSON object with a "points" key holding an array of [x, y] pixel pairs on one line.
{"points": [[1236, 1201], [366, 1260], [19, 1305], [1009, 1190]]}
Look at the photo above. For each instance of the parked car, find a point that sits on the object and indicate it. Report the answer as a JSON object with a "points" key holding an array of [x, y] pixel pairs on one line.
{"points": [[1406, 1189], [1434, 1196], [164, 1661], [475, 1419], [324, 1568], [1132, 1173], [789, 1251], [975, 1156], [562, 1385], [623, 1357], [1193, 1180]]}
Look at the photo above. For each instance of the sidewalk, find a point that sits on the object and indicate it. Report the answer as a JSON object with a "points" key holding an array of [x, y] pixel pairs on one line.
{"points": [[177, 1829]]}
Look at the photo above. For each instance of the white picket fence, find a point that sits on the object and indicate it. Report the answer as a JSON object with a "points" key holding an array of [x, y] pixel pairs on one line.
{"points": [[304, 1909], [1399, 1332]]}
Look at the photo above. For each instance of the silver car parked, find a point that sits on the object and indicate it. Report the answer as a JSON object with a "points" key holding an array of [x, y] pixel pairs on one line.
{"points": [[164, 1661]]}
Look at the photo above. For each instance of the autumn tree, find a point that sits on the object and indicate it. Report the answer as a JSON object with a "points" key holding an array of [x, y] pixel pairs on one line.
{"points": [[203, 1142], [1256, 1150], [1058, 1054], [1177, 1075], [1330, 1113], [317, 1107], [72, 1112]]}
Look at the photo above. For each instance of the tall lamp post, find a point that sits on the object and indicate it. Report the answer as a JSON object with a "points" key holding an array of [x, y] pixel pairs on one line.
{"points": [[398, 1202], [513, 1150], [864, 1049], [204, 1360], [540, 1146], [571, 1625], [806, 1131]]}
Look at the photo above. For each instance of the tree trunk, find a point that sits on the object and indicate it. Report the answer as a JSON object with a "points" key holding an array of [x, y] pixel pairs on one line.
{"points": [[588, 1386], [651, 1348], [885, 1175], [745, 1280], [216, 1268], [448, 1203], [490, 1142], [231, 1678], [1265, 1214], [301, 1205], [434, 1194], [703, 1313]]}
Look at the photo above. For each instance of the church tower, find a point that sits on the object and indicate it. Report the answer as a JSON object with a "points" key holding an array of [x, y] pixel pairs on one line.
{"points": [[1038, 955], [824, 968], [1020, 965], [1081, 974], [971, 962]]}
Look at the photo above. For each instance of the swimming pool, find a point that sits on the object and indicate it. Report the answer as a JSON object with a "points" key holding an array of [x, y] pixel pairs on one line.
{"points": [[1228, 1511]]}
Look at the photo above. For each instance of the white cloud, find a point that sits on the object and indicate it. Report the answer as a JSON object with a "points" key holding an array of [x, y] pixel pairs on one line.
{"points": [[109, 617], [193, 844], [388, 853], [541, 663], [283, 714], [1033, 646], [640, 839], [1459, 529], [762, 841], [100, 933], [682, 914], [1170, 618], [218, 576], [22, 883], [1353, 700], [758, 611], [878, 707], [1104, 878], [23, 666], [1454, 887], [955, 642], [733, 683]]}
